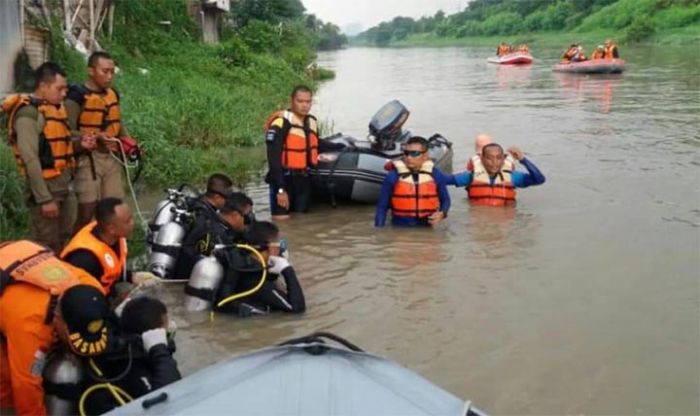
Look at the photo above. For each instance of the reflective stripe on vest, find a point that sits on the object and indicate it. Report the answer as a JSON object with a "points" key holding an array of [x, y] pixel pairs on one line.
{"points": [[100, 112], [29, 262], [113, 264], [416, 199], [482, 192], [55, 146], [300, 148]]}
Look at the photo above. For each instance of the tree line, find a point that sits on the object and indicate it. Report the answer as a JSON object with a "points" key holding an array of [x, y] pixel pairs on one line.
{"points": [[637, 18]]}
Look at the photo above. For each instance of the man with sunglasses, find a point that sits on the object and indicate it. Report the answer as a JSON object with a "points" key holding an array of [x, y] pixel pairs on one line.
{"points": [[243, 272], [414, 189], [227, 227]]}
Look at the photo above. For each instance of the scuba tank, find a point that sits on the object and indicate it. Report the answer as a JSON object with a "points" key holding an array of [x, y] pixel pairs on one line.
{"points": [[163, 213], [204, 281], [165, 249], [62, 375]]}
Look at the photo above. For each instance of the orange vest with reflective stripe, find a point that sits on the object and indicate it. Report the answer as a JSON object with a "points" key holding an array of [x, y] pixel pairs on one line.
{"points": [[113, 264], [482, 192], [414, 199], [29, 262], [100, 112], [55, 146], [300, 147]]}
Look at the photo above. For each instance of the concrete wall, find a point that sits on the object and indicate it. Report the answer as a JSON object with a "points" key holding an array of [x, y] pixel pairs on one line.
{"points": [[10, 42]]}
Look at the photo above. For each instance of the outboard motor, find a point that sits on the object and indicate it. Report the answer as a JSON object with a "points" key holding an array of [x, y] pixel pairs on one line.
{"points": [[204, 281], [165, 249], [385, 125], [62, 375]]}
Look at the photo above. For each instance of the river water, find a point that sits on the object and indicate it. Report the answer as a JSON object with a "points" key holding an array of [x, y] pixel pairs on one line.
{"points": [[582, 300]]}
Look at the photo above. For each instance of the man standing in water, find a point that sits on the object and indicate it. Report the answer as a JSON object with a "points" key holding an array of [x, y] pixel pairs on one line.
{"points": [[490, 183], [94, 112], [414, 189], [292, 150]]}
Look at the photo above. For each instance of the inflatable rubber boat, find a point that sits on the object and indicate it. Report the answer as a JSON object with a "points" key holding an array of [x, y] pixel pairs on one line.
{"points": [[304, 376], [353, 170], [516, 58], [593, 66]]}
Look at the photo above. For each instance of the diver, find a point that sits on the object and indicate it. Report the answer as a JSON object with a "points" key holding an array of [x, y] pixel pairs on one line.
{"points": [[140, 363], [226, 228]]}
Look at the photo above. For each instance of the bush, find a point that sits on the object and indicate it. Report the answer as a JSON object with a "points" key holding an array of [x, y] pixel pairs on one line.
{"points": [[676, 16], [640, 29], [504, 23], [13, 210]]}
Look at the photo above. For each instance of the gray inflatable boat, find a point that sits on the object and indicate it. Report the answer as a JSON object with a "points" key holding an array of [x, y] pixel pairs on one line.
{"points": [[304, 376], [353, 170]]}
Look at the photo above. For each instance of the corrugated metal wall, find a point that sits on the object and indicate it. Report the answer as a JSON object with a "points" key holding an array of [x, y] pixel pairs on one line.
{"points": [[10, 41]]}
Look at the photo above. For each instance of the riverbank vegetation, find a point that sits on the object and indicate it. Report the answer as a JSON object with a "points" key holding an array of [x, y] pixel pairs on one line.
{"points": [[194, 108], [671, 21]]}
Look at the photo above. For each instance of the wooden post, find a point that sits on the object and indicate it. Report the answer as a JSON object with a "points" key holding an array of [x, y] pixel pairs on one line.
{"points": [[92, 24], [111, 20], [75, 14], [66, 14]]}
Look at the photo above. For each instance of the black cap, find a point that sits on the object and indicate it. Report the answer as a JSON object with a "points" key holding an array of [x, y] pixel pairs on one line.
{"points": [[85, 311]]}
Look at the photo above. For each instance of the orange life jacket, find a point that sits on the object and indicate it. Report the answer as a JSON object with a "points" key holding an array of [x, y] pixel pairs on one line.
{"points": [[99, 112], [300, 148], [55, 146], [598, 54], [28, 262], [524, 49], [610, 51], [113, 264], [414, 199], [482, 192]]}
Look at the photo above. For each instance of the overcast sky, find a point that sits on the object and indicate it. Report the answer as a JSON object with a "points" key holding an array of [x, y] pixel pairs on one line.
{"points": [[370, 12]]}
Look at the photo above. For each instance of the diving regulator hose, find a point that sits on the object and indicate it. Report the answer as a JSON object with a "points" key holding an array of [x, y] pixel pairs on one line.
{"points": [[249, 292], [116, 391]]}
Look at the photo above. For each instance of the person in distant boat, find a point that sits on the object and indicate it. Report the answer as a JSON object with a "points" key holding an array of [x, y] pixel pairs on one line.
{"points": [[611, 51], [414, 189], [579, 56], [523, 48], [598, 53], [503, 49], [490, 183], [570, 53], [483, 139]]}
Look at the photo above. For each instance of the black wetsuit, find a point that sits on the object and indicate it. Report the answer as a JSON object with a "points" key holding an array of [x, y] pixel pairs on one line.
{"points": [[243, 273]]}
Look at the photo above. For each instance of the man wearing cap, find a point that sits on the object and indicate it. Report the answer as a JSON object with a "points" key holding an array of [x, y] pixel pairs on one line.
{"points": [[34, 282], [100, 248]]}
